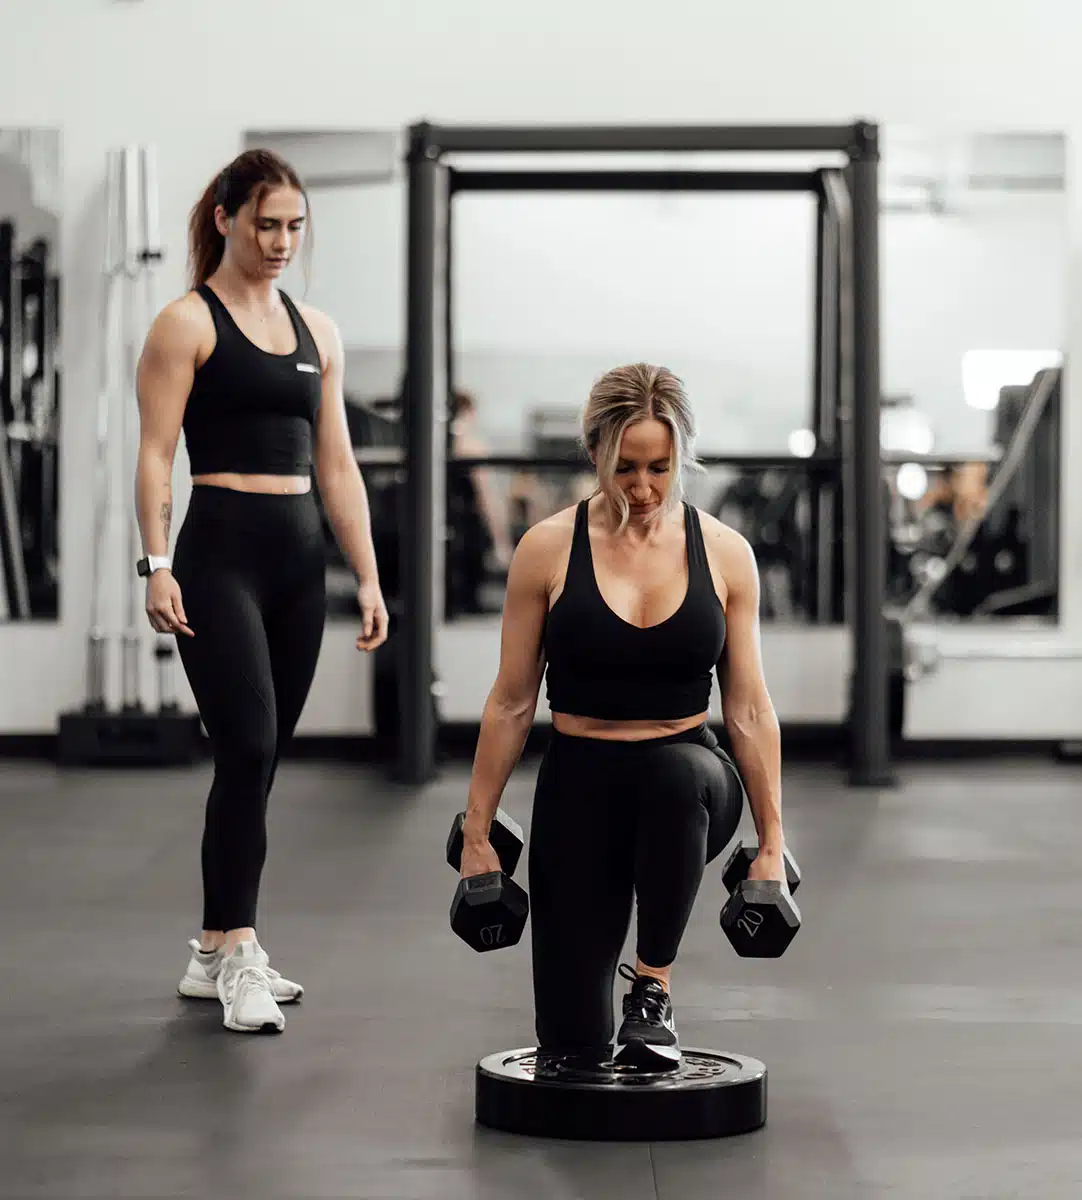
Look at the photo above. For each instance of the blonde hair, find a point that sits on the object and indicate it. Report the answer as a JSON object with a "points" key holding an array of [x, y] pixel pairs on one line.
{"points": [[623, 397]]}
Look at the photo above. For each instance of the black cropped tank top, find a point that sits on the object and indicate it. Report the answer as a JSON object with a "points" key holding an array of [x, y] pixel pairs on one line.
{"points": [[601, 666], [249, 410]]}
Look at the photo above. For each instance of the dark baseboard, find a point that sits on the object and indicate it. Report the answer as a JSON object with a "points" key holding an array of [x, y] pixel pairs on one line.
{"points": [[44, 746], [800, 743], [28, 745], [967, 749]]}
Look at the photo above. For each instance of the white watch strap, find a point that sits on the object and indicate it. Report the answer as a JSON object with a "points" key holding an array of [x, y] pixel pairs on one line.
{"points": [[157, 562]]}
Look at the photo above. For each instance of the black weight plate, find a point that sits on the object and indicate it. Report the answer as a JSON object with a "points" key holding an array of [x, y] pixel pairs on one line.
{"points": [[710, 1095]]}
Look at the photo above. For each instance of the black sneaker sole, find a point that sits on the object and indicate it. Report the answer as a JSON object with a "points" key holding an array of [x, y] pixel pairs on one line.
{"points": [[647, 1057]]}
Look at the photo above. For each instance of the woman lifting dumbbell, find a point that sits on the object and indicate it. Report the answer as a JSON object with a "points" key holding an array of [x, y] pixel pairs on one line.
{"points": [[255, 382], [632, 598]]}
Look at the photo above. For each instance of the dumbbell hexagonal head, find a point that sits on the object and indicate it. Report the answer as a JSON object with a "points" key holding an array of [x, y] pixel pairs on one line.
{"points": [[489, 911], [760, 919]]}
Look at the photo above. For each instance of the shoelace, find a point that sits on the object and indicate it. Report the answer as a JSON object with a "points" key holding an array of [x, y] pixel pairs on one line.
{"points": [[243, 978], [641, 1002]]}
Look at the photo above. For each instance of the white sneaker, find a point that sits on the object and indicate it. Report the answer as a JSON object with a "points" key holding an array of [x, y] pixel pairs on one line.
{"points": [[244, 989], [200, 980]]}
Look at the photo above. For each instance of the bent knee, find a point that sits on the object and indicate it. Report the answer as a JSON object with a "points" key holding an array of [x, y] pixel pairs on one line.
{"points": [[700, 784], [687, 774], [247, 758]]}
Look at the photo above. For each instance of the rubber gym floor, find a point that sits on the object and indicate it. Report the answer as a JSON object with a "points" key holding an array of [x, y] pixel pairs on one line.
{"points": [[921, 1034]]}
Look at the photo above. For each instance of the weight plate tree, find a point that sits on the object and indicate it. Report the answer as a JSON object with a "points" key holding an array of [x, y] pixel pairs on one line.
{"points": [[98, 733], [847, 392]]}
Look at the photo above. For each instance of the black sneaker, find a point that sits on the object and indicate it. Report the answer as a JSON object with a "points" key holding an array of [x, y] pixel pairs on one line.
{"points": [[647, 1037]]}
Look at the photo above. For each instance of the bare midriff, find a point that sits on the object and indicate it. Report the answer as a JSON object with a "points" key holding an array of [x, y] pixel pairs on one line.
{"points": [[280, 484], [622, 731]]}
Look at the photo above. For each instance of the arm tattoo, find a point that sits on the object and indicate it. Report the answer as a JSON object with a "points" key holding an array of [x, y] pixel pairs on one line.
{"points": [[166, 517]]}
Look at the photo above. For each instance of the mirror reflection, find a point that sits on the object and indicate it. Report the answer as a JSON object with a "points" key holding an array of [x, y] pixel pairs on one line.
{"points": [[30, 373], [548, 290]]}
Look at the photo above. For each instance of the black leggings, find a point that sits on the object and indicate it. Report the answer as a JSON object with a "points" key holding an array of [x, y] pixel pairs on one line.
{"points": [[251, 569], [613, 821]]}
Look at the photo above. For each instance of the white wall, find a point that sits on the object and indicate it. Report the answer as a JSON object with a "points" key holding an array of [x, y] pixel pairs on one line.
{"points": [[192, 77]]}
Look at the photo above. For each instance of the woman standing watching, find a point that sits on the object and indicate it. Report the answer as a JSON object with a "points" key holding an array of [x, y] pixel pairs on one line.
{"points": [[255, 382]]}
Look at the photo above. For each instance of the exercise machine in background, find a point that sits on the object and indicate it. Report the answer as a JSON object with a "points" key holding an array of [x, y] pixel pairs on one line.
{"points": [[98, 734], [1027, 520], [999, 555]]}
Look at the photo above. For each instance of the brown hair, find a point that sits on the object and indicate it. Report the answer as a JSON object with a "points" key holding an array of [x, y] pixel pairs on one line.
{"points": [[461, 402], [251, 174], [623, 397]]}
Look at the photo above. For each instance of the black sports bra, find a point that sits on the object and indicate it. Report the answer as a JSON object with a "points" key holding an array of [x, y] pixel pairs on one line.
{"points": [[249, 410], [601, 666]]}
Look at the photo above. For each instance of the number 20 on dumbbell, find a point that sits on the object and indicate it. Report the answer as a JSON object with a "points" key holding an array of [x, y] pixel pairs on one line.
{"points": [[489, 911]]}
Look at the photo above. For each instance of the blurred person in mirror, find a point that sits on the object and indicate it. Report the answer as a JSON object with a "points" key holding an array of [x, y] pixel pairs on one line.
{"points": [[630, 601], [254, 381], [961, 491], [955, 496], [477, 516]]}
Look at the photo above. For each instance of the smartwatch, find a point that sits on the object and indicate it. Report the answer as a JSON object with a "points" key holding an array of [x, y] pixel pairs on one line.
{"points": [[153, 562]]}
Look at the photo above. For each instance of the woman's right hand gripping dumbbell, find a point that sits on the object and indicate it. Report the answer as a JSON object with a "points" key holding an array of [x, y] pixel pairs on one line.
{"points": [[165, 608], [478, 858], [489, 910]]}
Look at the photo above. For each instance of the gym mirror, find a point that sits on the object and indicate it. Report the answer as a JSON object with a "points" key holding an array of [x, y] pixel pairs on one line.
{"points": [[973, 244], [549, 289], [30, 372]]}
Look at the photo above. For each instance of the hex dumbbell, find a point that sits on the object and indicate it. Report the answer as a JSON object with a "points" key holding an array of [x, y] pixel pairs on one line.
{"points": [[760, 918], [489, 911]]}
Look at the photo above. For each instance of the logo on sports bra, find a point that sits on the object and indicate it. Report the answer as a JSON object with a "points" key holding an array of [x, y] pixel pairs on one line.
{"points": [[308, 367]]}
